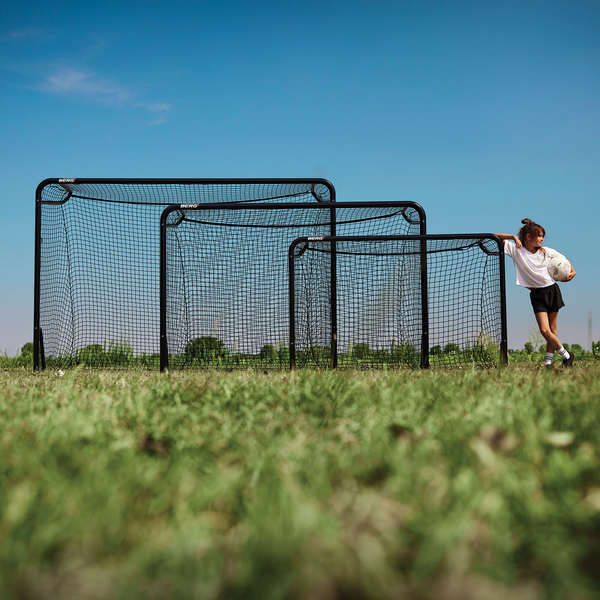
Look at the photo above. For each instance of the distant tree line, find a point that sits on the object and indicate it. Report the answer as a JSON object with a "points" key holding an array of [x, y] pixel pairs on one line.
{"points": [[211, 351], [529, 353]]}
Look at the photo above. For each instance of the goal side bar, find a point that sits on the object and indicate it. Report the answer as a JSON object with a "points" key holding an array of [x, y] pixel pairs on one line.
{"points": [[232, 206], [423, 239]]}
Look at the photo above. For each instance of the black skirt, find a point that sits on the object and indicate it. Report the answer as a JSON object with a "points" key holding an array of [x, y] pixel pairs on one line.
{"points": [[546, 299]]}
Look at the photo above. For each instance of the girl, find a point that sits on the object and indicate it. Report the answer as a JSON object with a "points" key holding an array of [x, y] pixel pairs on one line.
{"points": [[531, 263]]}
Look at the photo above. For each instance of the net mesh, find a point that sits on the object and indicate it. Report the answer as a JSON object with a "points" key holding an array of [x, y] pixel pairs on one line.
{"points": [[379, 300], [227, 277], [99, 262]]}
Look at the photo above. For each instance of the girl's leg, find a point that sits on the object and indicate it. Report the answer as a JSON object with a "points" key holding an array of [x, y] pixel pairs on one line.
{"points": [[552, 322], [547, 324], [548, 328]]}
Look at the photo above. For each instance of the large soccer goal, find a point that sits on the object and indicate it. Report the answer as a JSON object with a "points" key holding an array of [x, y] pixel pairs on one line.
{"points": [[97, 241], [224, 275], [424, 300]]}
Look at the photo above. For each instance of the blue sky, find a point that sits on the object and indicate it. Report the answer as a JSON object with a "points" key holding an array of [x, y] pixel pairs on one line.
{"points": [[483, 112]]}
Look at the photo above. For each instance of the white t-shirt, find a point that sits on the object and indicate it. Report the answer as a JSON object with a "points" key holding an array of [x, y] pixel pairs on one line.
{"points": [[532, 269]]}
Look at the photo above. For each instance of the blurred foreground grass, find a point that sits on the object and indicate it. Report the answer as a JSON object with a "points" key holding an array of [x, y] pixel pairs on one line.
{"points": [[459, 485]]}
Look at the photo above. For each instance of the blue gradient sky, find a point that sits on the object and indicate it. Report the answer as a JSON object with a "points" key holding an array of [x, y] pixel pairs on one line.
{"points": [[483, 112]]}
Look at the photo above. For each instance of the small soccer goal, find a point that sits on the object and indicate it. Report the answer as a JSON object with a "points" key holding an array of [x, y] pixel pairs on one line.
{"points": [[416, 301], [97, 260], [224, 275]]}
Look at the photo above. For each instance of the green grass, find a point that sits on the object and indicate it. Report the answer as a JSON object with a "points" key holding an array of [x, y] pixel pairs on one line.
{"points": [[466, 485]]}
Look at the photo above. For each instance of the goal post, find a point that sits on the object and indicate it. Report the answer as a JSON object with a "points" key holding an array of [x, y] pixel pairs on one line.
{"points": [[96, 273], [224, 286], [398, 301]]}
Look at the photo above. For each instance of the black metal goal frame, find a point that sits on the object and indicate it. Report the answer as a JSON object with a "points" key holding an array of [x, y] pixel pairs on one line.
{"points": [[420, 247], [176, 214], [64, 257]]}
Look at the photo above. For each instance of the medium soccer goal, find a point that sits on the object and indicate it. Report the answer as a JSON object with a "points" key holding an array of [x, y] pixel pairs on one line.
{"points": [[224, 275], [401, 300], [97, 260]]}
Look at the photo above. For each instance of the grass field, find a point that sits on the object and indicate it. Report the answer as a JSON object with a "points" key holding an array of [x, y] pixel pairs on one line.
{"points": [[350, 485]]}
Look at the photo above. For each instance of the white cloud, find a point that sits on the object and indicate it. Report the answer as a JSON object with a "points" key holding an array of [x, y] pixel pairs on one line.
{"points": [[72, 81], [20, 34], [69, 80], [154, 106]]}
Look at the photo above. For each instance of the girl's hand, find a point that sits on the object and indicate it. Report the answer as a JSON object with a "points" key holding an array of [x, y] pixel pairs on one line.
{"points": [[517, 242], [570, 275]]}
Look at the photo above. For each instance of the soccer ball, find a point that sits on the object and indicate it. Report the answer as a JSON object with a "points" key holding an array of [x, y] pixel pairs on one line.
{"points": [[558, 268]]}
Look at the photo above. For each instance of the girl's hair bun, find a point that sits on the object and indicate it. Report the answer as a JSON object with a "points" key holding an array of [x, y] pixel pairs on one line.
{"points": [[531, 228]]}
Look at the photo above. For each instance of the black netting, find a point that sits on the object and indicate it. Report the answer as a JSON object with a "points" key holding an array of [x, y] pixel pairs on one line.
{"points": [[99, 301], [465, 302], [380, 316]]}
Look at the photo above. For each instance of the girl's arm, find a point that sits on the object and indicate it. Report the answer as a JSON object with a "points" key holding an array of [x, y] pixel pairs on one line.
{"points": [[508, 236], [571, 274]]}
